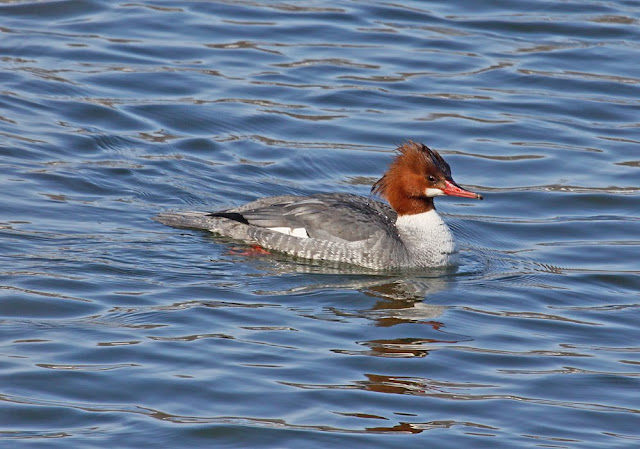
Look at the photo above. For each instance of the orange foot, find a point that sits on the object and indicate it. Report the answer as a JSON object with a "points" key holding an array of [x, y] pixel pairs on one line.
{"points": [[255, 250]]}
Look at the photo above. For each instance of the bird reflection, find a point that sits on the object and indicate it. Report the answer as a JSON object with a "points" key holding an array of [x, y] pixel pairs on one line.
{"points": [[399, 298]]}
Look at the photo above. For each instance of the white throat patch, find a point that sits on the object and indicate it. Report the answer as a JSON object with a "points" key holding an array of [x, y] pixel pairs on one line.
{"points": [[429, 192]]}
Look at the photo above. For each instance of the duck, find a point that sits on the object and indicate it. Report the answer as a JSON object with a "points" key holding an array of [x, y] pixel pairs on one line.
{"points": [[406, 232]]}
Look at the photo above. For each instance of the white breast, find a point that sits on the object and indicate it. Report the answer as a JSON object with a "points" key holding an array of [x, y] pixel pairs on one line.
{"points": [[428, 239]]}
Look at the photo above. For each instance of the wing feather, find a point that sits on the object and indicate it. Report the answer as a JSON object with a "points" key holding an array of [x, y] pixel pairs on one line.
{"points": [[333, 217]]}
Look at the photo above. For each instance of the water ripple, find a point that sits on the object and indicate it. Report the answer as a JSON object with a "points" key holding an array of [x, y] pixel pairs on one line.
{"points": [[110, 322]]}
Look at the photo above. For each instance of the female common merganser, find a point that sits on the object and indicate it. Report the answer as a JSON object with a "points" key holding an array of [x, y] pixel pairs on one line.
{"points": [[347, 228]]}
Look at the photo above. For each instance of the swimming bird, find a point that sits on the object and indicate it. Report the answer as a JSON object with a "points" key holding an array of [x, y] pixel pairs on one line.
{"points": [[346, 228]]}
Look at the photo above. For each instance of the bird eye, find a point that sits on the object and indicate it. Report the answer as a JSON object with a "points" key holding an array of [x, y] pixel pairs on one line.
{"points": [[432, 178]]}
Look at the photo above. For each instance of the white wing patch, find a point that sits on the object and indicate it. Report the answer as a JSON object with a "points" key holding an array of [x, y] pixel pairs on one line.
{"points": [[295, 232]]}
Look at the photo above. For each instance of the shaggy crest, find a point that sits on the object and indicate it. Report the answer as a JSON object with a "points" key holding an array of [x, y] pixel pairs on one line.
{"points": [[412, 157]]}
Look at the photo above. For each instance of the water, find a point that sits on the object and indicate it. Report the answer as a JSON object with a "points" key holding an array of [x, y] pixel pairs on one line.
{"points": [[118, 331]]}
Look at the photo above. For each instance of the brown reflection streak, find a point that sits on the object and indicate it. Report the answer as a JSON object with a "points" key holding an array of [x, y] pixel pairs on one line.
{"points": [[398, 347], [401, 428], [362, 415], [412, 385], [393, 385], [392, 321], [416, 386], [406, 427]]}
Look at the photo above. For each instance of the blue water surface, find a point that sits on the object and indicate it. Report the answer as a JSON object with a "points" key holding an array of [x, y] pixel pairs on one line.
{"points": [[116, 331]]}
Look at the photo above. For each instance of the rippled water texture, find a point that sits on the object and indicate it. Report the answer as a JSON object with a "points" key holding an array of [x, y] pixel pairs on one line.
{"points": [[116, 331]]}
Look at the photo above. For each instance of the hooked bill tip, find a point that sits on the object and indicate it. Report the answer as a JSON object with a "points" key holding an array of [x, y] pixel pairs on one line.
{"points": [[453, 189]]}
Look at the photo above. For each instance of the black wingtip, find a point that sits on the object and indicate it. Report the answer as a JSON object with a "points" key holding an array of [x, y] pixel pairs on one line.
{"points": [[235, 216]]}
